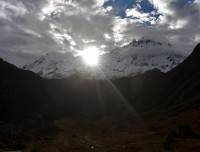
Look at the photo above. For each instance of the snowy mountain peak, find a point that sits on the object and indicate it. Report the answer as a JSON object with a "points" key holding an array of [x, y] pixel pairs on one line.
{"points": [[148, 43], [132, 59], [54, 65]]}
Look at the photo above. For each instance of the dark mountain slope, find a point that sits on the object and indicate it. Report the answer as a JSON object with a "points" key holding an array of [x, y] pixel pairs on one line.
{"points": [[96, 98], [179, 88], [22, 93]]}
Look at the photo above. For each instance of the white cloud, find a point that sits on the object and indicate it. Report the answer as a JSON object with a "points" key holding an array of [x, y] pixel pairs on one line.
{"points": [[197, 38], [107, 36], [109, 8], [134, 12], [14, 8], [162, 6], [178, 24], [197, 1], [42, 26], [141, 17]]}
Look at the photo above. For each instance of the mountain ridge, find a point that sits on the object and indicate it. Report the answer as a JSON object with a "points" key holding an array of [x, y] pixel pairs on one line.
{"points": [[129, 60], [184, 79]]}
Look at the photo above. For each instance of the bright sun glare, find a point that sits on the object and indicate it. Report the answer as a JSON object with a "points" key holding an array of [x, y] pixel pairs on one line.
{"points": [[91, 56]]}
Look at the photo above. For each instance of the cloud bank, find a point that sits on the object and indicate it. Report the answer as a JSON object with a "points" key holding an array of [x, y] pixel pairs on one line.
{"points": [[41, 26]]}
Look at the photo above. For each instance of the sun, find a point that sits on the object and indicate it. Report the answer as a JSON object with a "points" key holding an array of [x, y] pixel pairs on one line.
{"points": [[91, 56]]}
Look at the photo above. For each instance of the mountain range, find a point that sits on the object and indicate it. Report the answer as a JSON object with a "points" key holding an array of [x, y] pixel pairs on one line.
{"points": [[22, 86], [133, 59], [141, 112]]}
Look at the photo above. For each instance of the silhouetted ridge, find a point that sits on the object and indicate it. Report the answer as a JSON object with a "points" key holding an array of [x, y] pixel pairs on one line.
{"points": [[177, 88], [21, 92], [193, 59], [196, 54], [197, 49]]}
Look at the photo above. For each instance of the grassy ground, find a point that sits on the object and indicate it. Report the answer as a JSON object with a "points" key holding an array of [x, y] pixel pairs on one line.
{"points": [[108, 135]]}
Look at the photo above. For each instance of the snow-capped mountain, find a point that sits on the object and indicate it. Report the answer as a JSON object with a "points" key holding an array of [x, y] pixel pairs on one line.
{"points": [[132, 59], [54, 65]]}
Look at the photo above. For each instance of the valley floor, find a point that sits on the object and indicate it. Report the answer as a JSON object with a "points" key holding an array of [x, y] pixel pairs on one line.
{"points": [[114, 134]]}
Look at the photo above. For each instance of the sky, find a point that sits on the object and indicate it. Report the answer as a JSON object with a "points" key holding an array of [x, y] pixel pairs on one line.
{"points": [[31, 28]]}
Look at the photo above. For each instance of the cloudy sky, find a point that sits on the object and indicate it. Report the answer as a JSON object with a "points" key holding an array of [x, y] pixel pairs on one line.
{"points": [[30, 28]]}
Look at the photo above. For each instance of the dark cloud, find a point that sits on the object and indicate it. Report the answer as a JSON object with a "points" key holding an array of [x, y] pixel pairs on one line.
{"points": [[41, 26]]}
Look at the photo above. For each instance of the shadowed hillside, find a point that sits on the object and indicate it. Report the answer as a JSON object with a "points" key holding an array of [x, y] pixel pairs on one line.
{"points": [[150, 112], [23, 92], [178, 89]]}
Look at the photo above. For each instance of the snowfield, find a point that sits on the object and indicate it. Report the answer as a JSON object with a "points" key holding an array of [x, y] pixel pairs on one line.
{"points": [[132, 59]]}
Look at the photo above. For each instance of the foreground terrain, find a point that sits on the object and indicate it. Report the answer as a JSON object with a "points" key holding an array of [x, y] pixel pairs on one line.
{"points": [[146, 134]]}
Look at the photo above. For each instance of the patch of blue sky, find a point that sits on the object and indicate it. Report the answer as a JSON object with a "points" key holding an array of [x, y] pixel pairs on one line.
{"points": [[185, 1], [120, 6]]}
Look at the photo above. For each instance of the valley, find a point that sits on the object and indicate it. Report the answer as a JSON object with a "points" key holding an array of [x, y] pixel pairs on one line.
{"points": [[149, 112]]}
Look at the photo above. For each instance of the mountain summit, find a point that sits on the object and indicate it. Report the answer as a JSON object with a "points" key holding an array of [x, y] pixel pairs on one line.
{"points": [[147, 42], [135, 58]]}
